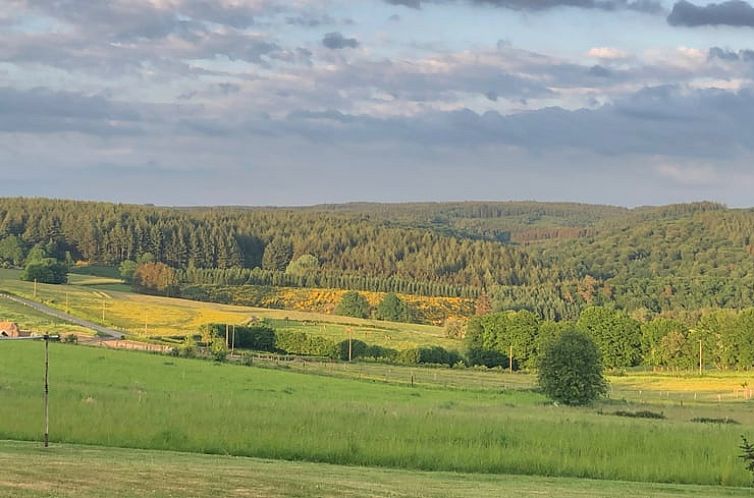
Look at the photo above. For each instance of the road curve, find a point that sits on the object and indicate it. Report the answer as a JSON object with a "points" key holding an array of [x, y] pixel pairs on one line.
{"points": [[103, 331]]}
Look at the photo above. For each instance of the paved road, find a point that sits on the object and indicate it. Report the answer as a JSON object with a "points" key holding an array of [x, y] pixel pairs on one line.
{"points": [[104, 331]]}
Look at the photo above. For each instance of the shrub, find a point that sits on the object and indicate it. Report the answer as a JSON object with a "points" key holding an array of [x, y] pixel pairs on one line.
{"points": [[46, 271], [358, 349], [640, 414], [394, 309], [218, 350], [302, 344], [570, 370], [353, 304], [259, 337], [429, 355], [188, 347], [707, 420], [747, 455], [489, 358], [71, 339]]}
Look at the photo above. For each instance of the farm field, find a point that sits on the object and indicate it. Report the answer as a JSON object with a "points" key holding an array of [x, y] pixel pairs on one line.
{"points": [[72, 471], [142, 315], [661, 389], [137, 400], [29, 319]]}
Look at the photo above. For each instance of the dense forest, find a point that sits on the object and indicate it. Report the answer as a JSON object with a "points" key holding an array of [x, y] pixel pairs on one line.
{"points": [[553, 259]]}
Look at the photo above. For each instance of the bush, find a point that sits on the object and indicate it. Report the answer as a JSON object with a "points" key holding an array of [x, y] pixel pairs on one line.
{"points": [[46, 271], [71, 339], [188, 348], [302, 344], [218, 350], [353, 304], [570, 370], [393, 309], [640, 414], [489, 358], [707, 420], [259, 337], [358, 349], [429, 355]]}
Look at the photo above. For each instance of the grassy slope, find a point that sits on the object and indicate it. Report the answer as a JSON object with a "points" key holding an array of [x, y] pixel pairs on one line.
{"points": [[29, 319], [168, 316], [71, 471], [125, 399]]}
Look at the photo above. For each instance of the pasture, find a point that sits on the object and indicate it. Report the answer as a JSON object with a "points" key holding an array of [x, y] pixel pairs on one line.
{"points": [[136, 400], [92, 297], [74, 471]]}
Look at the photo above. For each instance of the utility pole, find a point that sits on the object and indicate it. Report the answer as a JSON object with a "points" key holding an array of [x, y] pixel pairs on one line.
{"points": [[47, 391], [350, 343], [227, 337], [103, 310], [233, 342], [46, 338], [700, 357], [510, 359]]}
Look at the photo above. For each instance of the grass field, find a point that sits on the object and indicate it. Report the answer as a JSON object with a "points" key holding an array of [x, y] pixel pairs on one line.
{"points": [[29, 319], [73, 471], [88, 296], [136, 400], [716, 389]]}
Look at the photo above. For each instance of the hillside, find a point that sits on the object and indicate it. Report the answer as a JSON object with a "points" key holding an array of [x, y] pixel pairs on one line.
{"points": [[551, 258]]}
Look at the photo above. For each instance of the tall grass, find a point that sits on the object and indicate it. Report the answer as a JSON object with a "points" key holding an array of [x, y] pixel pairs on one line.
{"points": [[136, 400]]}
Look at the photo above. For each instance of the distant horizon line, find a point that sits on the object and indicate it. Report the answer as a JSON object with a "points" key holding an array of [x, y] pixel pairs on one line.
{"points": [[355, 203]]}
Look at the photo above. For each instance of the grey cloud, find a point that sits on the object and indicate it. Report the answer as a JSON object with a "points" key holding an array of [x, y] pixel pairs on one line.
{"points": [[127, 19], [662, 120], [414, 4], [414, 83], [647, 6], [730, 55], [600, 71], [311, 21], [728, 13], [336, 41], [43, 111]]}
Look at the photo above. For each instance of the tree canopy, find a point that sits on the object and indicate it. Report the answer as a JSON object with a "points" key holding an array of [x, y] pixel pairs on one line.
{"points": [[570, 370]]}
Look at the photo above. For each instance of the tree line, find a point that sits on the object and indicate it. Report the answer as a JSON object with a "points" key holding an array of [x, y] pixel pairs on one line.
{"points": [[646, 261], [725, 337]]}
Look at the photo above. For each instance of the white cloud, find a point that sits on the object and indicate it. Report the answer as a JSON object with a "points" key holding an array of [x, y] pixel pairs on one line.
{"points": [[607, 53], [691, 175]]}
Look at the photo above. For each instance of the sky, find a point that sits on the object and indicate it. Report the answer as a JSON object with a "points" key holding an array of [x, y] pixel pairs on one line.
{"points": [[297, 102]]}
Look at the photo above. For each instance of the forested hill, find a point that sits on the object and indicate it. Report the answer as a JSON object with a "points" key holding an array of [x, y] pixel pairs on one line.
{"points": [[552, 258]]}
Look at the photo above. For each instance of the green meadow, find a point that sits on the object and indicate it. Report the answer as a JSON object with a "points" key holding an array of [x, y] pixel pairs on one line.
{"points": [[75, 471], [136, 400]]}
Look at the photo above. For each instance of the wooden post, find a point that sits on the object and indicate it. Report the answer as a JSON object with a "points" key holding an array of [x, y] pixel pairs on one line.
{"points": [[47, 391], [227, 337], [700, 357], [510, 359], [103, 310], [67, 303], [233, 342], [35, 287], [146, 323], [350, 343]]}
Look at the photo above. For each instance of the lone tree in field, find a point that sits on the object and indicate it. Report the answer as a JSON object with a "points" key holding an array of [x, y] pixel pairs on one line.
{"points": [[570, 370], [353, 304]]}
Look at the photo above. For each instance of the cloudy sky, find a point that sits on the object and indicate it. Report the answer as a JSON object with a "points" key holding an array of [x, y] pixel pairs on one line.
{"points": [[261, 102]]}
